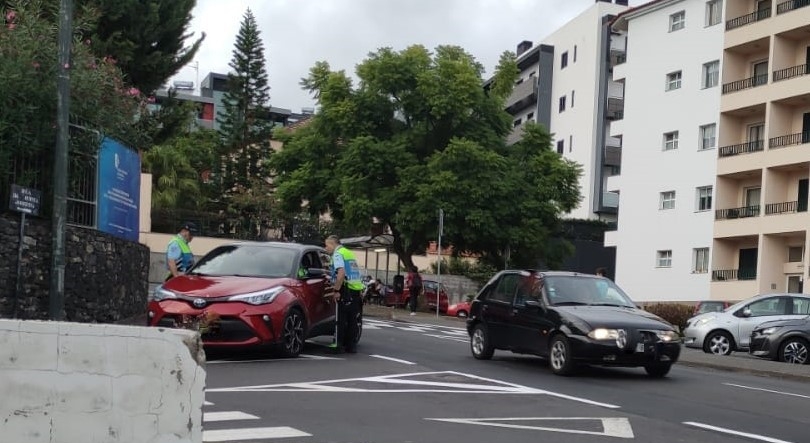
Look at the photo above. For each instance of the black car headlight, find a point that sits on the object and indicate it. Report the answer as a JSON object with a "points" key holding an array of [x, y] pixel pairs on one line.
{"points": [[667, 336], [604, 334]]}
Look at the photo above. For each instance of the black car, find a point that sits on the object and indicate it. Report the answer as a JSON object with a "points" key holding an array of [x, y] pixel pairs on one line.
{"points": [[782, 340], [572, 319]]}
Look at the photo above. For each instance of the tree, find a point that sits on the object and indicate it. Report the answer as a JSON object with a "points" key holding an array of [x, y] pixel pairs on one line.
{"points": [[419, 132], [145, 37], [245, 121]]}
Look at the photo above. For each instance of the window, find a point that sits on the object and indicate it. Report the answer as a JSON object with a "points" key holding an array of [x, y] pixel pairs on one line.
{"points": [[575, 53], [572, 98], [560, 146], [711, 74], [677, 21], [530, 117], [671, 141], [663, 259], [674, 80], [517, 123], [708, 136], [700, 260], [714, 12], [564, 60], [667, 200], [704, 198], [801, 306], [532, 74], [795, 254], [770, 307], [570, 143], [562, 103], [505, 291]]}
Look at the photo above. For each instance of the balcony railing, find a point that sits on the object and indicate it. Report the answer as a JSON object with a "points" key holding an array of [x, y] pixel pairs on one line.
{"points": [[789, 140], [781, 208], [788, 73], [748, 19], [746, 83], [734, 274], [734, 213], [790, 5], [742, 148], [525, 91]]}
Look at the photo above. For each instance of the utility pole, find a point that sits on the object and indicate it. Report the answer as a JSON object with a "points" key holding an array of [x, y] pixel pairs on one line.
{"points": [[60, 164], [439, 263]]}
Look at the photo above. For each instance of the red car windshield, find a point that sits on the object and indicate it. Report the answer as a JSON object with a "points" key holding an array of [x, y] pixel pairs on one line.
{"points": [[248, 261]]}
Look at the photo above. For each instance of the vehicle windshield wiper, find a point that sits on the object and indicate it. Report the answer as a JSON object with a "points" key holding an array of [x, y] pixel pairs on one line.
{"points": [[202, 274], [571, 303], [612, 304]]}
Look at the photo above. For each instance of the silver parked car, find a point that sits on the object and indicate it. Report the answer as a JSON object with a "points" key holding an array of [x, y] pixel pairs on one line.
{"points": [[723, 332]]}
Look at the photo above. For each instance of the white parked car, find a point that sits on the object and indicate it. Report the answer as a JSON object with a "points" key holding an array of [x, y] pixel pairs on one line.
{"points": [[724, 332]]}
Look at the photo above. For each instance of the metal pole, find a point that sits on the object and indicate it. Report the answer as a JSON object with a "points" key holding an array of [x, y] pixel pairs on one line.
{"points": [[377, 266], [19, 266], [439, 263], [60, 165], [387, 264]]}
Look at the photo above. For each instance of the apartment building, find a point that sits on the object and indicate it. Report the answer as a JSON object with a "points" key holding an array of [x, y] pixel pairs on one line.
{"points": [[763, 165], [668, 138], [563, 85]]}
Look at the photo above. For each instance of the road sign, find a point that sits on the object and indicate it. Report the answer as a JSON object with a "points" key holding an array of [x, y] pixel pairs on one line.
{"points": [[611, 426], [25, 200]]}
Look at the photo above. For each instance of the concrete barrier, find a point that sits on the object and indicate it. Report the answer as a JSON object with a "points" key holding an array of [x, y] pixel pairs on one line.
{"points": [[71, 382]]}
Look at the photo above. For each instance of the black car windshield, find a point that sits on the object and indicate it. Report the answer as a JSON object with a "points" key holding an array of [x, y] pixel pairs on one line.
{"points": [[575, 290], [247, 260]]}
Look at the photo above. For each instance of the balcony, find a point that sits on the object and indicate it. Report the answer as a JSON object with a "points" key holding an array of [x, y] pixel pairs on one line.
{"points": [[746, 83], [748, 19], [523, 95], [781, 208], [742, 148], [788, 73], [615, 101], [789, 140], [610, 200], [515, 136], [791, 5], [734, 275], [736, 213], [613, 151]]}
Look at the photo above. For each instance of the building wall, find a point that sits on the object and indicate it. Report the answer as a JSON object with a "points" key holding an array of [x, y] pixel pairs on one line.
{"points": [[68, 383], [578, 125], [647, 169]]}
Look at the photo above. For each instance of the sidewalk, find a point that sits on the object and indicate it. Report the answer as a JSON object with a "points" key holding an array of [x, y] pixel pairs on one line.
{"points": [[737, 362]]}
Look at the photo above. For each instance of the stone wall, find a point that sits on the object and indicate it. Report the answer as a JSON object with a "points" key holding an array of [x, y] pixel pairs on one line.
{"points": [[106, 278], [72, 383]]}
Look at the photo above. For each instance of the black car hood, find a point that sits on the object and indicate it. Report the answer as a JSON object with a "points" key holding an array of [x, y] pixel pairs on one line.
{"points": [[795, 322], [614, 317]]}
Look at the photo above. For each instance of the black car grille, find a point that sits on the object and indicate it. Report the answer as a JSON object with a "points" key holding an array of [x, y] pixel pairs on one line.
{"points": [[647, 337]]}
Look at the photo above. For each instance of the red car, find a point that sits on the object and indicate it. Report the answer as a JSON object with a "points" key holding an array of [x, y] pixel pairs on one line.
{"points": [[461, 310], [429, 294], [250, 294]]}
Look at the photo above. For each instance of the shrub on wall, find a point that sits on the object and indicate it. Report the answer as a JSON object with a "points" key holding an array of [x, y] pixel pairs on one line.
{"points": [[675, 313]]}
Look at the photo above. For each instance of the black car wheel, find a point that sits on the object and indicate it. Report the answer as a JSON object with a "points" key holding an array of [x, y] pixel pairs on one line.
{"points": [[719, 343], [794, 351], [559, 355], [658, 370], [479, 343], [292, 333]]}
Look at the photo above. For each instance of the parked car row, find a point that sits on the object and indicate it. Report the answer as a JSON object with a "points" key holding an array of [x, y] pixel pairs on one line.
{"points": [[775, 326]]}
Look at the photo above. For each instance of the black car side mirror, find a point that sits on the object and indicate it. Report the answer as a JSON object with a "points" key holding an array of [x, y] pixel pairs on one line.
{"points": [[316, 273]]}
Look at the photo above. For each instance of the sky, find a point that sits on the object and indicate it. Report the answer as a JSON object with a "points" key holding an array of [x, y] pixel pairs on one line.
{"points": [[298, 33]]}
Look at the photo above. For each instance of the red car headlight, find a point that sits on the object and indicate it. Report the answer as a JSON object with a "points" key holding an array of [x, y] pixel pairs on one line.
{"points": [[258, 298], [161, 294]]}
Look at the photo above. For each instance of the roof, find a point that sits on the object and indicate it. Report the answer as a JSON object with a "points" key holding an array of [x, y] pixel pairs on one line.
{"points": [[368, 241], [620, 22]]}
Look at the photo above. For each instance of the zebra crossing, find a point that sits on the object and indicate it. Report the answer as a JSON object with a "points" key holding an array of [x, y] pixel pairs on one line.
{"points": [[428, 330], [245, 431]]}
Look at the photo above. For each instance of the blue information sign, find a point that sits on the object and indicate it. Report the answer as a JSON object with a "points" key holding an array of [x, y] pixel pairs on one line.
{"points": [[119, 190]]}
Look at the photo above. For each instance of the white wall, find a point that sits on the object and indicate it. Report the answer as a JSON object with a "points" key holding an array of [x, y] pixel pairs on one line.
{"points": [[578, 124], [647, 170], [69, 383]]}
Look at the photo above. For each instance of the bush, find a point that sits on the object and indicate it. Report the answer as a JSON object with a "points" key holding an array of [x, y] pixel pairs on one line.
{"points": [[675, 313]]}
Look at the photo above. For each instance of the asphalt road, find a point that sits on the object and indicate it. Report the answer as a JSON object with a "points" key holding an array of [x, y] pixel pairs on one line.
{"points": [[419, 383]]}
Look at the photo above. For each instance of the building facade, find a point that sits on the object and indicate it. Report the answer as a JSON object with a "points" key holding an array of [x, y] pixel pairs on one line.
{"points": [[668, 139], [761, 220]]}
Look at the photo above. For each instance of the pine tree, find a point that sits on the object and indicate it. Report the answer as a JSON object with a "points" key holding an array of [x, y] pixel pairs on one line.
{"points": [[245, 123]]}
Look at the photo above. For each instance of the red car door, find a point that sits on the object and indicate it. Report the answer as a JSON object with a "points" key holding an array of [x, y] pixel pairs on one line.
{"points": [[320, 309]]}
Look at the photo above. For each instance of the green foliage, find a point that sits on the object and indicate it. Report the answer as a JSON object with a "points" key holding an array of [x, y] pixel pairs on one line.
{"points": [[417, 133], [245, 124], [675, 313], [477, 271]]}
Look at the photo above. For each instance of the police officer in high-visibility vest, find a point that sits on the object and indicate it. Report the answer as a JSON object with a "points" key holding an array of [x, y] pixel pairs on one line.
{"points": [[179, 258], [347, 281]]}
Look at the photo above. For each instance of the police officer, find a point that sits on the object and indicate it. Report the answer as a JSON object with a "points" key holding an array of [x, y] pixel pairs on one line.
{"points": [[347, 281], [179, 258]]}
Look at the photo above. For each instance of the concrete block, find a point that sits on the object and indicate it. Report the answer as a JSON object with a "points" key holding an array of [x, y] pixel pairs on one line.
{"points": [[28, 427]]}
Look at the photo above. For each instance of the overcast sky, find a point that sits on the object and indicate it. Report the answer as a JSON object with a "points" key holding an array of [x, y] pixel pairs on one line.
{"points": [[298, 33]]}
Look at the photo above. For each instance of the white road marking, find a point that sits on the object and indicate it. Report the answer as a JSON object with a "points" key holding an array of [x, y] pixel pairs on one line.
{"points": [[227, 416], [207, 403], [422, 386], [447, 337], [368, 327], [415, 328], [252, 434], [404, 362], [767, 390], [733, 432], [269, 360], [613, 427]]}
